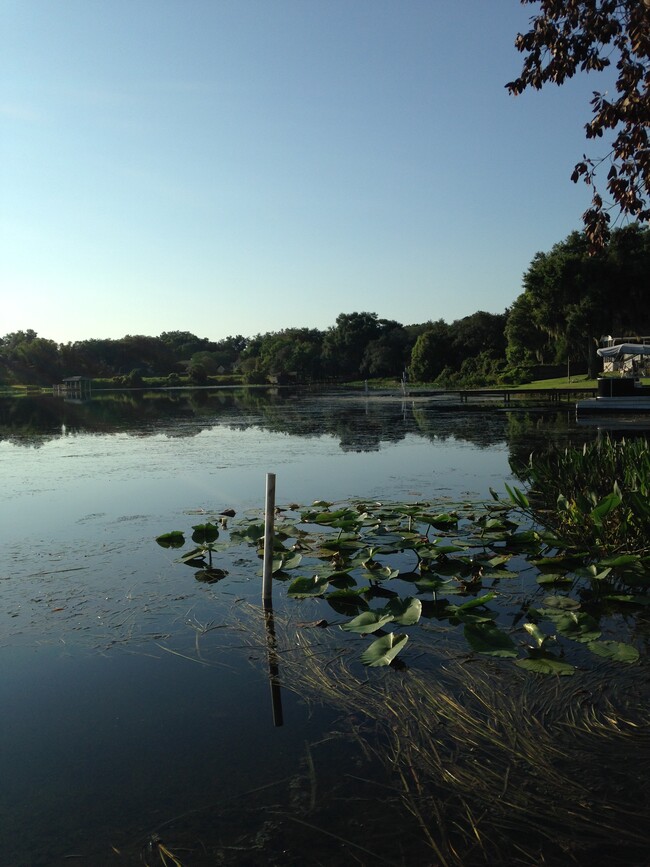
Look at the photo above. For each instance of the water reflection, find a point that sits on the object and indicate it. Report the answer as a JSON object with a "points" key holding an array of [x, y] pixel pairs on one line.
{"points": [[359, 423], [110, 723], [274, 664]]}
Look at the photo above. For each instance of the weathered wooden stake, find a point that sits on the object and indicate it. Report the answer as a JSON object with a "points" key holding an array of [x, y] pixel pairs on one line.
{"points": [[269, 517]]}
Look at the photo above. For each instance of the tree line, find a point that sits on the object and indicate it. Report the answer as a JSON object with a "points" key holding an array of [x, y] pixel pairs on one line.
{"points": [[570, 299]]}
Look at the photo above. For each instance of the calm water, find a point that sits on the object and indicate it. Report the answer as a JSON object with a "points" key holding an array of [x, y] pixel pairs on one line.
{"points": [[111, 726]]}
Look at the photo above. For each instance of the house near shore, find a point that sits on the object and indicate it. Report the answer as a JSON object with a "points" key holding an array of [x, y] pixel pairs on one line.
{"points": [[79, 387]]}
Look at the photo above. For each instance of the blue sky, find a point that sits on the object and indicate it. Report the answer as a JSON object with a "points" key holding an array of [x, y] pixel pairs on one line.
{"points": [[241, 166]]}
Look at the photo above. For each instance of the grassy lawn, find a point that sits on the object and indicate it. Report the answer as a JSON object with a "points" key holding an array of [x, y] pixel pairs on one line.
{"points": [[564, 382], [560, 382]]}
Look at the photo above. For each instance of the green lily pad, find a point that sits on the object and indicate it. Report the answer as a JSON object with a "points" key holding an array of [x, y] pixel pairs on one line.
{"points": [[535, 633], [499, 560], [302, 588], [560, 563], [561, 603], [251, 533], [175, 539], [616, 650], [205, 533], [381, 573], [553, 578], [406, 611], [578, 626], [480, 600], [546, 664], [592, 572], [210, 576], [284, 562], [384, 650], [436, 584], [443, 521], [488, 639], [629, 598], [369, 621]]}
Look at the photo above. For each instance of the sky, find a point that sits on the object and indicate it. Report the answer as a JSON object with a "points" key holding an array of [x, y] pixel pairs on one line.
{"points": [[242, 166]]}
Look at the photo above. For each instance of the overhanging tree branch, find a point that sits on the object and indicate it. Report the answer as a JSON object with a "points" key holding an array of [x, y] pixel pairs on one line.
{"points": [[571, 36]]}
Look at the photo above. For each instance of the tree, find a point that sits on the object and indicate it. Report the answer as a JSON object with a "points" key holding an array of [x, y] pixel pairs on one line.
{"points": [[526, 343], [30, 358], [226, 352], [197, 374], [478, 333], [575, 297], [345, 343], [390, 352], [447, 348], [430, 354], [184, 344], [568, 36], [292, 351]]}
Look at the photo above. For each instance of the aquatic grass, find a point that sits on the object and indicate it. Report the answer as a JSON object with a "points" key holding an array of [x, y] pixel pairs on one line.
{"points": [[493, 766]]}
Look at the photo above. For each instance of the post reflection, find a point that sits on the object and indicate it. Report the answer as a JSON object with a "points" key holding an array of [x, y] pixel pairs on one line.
{"points": [[274, 665]]}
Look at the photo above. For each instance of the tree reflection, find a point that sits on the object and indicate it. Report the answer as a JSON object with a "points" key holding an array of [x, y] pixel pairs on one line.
{"points": [[357, 422]]}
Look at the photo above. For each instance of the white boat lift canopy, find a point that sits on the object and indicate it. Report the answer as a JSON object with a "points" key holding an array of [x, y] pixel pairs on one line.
{"points": [[622, 349]]}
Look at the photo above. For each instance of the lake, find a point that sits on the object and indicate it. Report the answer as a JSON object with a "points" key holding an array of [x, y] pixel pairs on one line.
{"points": [[135, 698]]}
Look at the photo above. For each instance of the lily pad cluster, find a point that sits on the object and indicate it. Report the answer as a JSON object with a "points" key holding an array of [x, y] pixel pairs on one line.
{"points": [[484, 569], [200, 557]]}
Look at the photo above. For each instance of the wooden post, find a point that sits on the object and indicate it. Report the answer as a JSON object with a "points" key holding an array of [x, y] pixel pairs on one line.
{"points": [[269, 516]]}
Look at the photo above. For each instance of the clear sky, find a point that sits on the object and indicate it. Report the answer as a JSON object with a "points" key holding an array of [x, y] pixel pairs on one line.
{"points": [[240, 166]]}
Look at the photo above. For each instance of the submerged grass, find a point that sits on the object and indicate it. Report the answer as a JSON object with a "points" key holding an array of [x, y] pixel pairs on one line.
{"points": [[491, 765]]}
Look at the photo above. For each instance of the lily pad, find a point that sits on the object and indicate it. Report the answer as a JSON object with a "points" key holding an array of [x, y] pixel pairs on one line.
{"points": [[436, 584], [205, 533], [488, 639], [616, 650], [620, 560], [380, 573], [480, 600], [369, 621], [302, 588], [546, 665], [210, 576], [250, 533], [578, 626], [384, 650], [562, 603], [629, 598], [175, 539], [553, 578], [406, 611], [287, 561], [535, 633]]}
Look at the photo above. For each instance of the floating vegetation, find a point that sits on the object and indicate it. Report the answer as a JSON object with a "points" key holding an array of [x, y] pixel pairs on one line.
{"points": [[199, 558], [486, 569]]}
